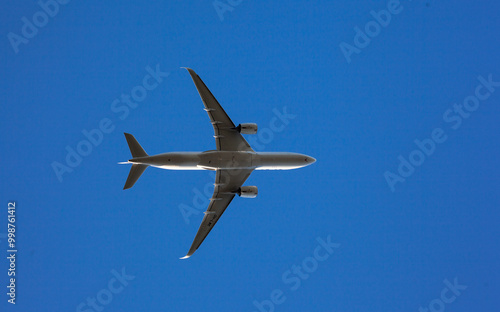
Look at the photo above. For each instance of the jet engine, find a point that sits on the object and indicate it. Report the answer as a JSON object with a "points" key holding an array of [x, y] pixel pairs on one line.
{"points": [[247, 128], [248, 191]]}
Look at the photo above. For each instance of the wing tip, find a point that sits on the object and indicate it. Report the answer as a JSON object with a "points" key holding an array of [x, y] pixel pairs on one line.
{"points": [[189, 254], [190, 71]]}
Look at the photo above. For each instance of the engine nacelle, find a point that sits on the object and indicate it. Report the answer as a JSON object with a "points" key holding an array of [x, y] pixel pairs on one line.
{"points": [[248, 191], [247, 128]]}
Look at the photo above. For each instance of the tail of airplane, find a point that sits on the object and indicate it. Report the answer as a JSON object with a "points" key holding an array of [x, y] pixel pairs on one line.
{"points": [[135, 148], [137, 169]]}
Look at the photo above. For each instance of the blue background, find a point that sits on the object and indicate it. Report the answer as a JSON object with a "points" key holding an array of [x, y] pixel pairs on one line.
{"points": [[356, 118]]}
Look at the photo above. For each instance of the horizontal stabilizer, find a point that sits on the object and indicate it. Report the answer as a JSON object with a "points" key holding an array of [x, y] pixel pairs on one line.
{"points": [[134, 175], [135, 148]]}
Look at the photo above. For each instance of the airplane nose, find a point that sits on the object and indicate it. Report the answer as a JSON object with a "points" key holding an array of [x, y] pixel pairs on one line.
{"points": [[310, 160]]}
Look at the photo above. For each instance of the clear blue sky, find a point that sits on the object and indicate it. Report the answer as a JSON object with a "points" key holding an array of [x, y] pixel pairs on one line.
{"points": [[399, 248]]}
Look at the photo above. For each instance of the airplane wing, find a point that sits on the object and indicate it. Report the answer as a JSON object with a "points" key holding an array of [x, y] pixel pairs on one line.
{"points": [[227, 182], [227, 138]]}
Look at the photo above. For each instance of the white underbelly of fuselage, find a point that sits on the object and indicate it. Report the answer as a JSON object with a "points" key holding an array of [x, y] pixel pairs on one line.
{"points": [[282, 167], [169, 167]]}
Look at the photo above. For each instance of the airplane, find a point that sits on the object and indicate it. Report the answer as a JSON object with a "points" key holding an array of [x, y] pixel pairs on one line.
{"points": [[233, 160]]}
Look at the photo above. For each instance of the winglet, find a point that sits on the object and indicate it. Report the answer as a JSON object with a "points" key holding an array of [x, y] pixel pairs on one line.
{"points": [[185, 257]]}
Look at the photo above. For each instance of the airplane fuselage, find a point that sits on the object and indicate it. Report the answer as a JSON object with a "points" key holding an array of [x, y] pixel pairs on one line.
{"points": [[213, 160]]}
